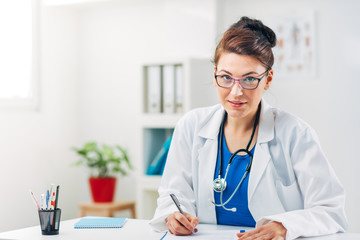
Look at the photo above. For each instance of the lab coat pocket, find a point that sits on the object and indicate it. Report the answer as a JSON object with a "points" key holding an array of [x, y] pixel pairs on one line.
{"points": [[290, 196]]}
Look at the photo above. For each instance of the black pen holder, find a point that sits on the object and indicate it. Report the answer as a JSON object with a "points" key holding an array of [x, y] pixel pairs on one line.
{"points": [[50, 221]]}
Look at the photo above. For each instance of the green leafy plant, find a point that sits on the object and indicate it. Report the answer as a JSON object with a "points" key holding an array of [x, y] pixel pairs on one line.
{"points": [[104, 161]]}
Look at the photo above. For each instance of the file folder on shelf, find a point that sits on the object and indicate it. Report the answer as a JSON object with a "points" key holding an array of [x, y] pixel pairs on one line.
{"points": [[154, 89], [169, 88], [179, 88]]}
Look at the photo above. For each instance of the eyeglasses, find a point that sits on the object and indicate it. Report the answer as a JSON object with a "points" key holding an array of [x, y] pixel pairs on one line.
{"points": [[250, 83]]}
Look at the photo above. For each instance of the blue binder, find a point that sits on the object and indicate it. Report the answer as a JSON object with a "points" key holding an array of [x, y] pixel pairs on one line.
{"points": [[157, 166]]}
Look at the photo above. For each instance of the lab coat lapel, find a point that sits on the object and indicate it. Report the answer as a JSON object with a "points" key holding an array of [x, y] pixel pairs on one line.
{"points": [[261, 155], [207, 161], [261, 159]]}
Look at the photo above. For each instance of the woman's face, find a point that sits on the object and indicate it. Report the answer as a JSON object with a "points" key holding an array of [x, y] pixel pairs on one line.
{"points": [[239, 102]]}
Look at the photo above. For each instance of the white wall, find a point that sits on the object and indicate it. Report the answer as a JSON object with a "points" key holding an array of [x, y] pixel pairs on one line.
{"points": [[329, 102], [110, 51], [90, 90], [115, 39], [35, 144]]}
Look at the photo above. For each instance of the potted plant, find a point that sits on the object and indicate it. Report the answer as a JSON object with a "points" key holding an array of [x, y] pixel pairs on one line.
{"points": [[105, 163]]}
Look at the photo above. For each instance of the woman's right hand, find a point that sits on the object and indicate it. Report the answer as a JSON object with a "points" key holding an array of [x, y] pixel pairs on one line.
{"points": [[178, 224]]}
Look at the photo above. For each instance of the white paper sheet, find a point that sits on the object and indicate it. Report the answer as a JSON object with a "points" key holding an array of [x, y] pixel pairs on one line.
{"points": [[206, 235]]}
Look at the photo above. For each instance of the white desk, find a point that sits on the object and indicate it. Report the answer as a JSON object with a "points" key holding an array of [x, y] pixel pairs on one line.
{"points": [[133, 229]]}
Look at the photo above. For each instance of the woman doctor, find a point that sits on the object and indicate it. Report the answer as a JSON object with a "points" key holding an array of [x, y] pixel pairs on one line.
{"points": [[245, 163]]}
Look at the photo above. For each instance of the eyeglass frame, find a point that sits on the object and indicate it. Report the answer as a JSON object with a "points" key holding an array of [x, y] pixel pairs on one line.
{"points": [[240, 79]]}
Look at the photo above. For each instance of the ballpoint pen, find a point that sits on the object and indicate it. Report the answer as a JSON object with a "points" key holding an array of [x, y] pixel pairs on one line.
{"points": [[177, 203]]}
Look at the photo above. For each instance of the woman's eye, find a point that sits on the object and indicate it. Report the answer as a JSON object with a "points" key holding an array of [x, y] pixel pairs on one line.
{"points": [[250, 79], [226, 78]]}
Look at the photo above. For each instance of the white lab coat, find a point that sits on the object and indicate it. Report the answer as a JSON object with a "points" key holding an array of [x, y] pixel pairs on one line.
{"points": [[290, 181]]}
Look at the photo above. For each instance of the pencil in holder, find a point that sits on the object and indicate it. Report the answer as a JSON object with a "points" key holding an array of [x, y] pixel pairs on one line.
{"points": [[50, 221]]}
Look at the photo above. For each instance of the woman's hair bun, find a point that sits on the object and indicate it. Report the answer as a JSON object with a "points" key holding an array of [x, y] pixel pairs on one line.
{"points": [[249, 37], [258, 27]]}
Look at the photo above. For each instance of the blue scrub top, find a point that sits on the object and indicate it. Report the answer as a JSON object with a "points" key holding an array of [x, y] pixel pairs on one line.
{"points": [[242, 216]]}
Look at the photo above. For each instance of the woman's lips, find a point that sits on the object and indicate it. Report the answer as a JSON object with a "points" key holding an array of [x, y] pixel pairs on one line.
{"points": [[236, 104]]}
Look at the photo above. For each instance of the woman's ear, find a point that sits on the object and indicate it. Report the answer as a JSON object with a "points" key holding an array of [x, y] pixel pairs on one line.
{"points": [[269, 79], [214, 76]]}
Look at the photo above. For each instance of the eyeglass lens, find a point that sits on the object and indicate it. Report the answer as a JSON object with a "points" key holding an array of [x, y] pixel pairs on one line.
{"points": [[227, 82]]}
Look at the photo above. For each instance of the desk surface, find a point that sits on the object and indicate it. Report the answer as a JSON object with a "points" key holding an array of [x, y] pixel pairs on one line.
{"points": [[133, 229]]}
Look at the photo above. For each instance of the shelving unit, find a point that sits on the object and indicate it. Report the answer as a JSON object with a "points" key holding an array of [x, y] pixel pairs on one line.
{"points": [[197, 90]]}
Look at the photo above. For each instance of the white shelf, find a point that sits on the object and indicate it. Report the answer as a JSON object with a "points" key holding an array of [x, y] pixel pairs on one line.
{"points": [[197, 91], [150, 183], [160, 120]]}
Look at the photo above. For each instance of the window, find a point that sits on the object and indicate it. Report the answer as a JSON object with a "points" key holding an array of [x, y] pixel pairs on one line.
{"points": [[19, 53]]}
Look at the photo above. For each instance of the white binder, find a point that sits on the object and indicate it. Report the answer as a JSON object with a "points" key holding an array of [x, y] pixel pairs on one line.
{"points": [[179, 81], [169, 88], [154, 89]]}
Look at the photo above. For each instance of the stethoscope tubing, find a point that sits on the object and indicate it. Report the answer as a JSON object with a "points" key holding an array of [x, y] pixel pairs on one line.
{"points": [[223, 181]]}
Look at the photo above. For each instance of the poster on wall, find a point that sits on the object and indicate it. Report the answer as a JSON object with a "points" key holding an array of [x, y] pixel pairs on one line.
{"points": [[295, 53]]}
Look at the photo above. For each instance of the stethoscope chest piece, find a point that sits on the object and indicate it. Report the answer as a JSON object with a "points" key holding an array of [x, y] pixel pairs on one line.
{"points": [[219, 184]]}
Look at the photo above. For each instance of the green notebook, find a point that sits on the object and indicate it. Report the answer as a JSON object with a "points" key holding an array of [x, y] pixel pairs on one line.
{"points": [[100, 223]]}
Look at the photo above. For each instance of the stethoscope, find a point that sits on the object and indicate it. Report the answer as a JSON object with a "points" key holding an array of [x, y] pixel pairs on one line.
{"points": [[219, 183]]}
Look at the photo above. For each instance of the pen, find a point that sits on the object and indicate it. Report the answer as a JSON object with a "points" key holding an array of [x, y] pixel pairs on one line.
{"points": [[47, 199], [163, 236], [57, 196], [52, 186], [53, 201], [177, 203], [42, 201]]}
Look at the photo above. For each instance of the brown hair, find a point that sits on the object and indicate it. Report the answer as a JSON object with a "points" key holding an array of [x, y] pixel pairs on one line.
{"points": [[248, 37]]}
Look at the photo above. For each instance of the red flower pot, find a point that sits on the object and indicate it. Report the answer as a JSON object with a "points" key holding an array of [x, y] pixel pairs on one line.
{"points": [[102, 189]]}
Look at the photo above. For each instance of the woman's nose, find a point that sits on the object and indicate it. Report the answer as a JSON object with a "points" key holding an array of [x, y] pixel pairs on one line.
{"points": [[236, 89]]}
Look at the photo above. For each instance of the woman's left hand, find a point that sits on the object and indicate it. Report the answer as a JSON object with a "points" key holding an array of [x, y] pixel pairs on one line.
{"points": [[269, 231]]}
